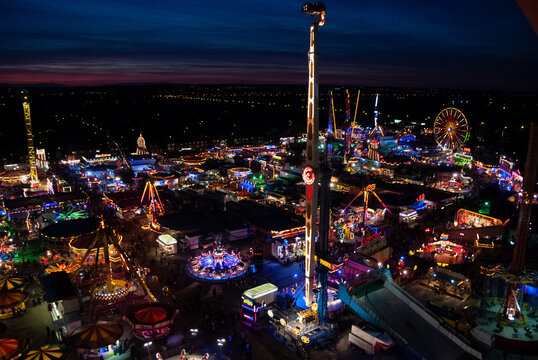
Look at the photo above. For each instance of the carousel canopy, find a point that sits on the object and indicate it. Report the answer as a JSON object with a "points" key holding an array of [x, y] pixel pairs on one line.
{"points": [[11, 298], [153, 315], [8, 346], [47, 352], [98, 335], [10, 283]]}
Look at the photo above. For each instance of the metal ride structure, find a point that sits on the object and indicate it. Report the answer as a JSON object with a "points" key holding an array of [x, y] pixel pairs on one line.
{"points": [[34, 180], [451, 129], [355, 116], [155, 204], [377, 128], [311, 169], [112, 290], [366, 192], [349, 131], [331, 130], [512, 309]]}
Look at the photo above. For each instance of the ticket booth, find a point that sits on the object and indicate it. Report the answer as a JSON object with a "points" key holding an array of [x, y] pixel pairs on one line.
{"points": [[167, 244]]}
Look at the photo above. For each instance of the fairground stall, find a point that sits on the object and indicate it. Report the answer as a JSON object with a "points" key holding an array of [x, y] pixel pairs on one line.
{"points": [[167, 244], [255, 301], [288, 245]]}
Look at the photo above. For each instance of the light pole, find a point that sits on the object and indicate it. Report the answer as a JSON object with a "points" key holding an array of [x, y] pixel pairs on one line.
{"points": [[147, 346]]}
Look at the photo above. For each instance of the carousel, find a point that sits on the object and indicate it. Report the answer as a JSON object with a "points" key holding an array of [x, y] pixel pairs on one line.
{"points": [[217, 265], [11, 303], [96, 340], [104, 288], [151, 321]]}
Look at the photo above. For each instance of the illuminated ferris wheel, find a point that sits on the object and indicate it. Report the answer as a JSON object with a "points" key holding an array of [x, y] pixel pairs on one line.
{"points": [[451, 129]]}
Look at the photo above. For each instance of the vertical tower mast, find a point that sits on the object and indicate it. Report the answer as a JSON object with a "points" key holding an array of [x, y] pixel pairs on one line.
{"points": [[34, 181], [330, 131], [376, 114], [529, 180], [517, 266], [375, 110], [311, 170]]}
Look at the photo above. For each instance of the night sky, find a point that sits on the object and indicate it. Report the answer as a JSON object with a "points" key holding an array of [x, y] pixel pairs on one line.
{"points": [[459, 44]]}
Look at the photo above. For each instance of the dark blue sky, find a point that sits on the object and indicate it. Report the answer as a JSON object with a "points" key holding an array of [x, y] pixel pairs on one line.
{"points": [[472, 43]]}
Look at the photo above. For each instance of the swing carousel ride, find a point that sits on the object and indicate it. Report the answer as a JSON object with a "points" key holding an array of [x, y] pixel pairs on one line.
{"points": [[217, 265]]}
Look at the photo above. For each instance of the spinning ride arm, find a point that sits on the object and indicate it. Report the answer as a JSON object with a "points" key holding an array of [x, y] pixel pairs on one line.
{"points": [[131, 268], [120, 152], [382, 203]]}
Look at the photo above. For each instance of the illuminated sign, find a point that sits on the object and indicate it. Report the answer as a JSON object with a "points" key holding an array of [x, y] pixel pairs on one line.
{"points": [[248, 302], [308, 175], [370, 187]]}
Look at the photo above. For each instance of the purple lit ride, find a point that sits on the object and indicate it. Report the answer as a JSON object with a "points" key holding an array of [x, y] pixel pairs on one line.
{"points": [[218, 265]]}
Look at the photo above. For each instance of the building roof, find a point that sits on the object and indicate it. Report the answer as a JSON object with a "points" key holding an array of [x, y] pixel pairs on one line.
{"points": [[266, 217], [70, 228], [260, 291], [43, 200], [57, 286], [167, 239]]}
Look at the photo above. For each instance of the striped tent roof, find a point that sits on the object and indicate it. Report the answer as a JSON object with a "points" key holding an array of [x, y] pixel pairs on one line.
{"points": [[47, 352], [10, 283], [99, 334], [8, 346], [11, 299]]}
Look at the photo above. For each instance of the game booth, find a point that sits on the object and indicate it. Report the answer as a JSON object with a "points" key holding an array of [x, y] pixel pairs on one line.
{"points": [[167, 244], [288, 245], [255, 301]]}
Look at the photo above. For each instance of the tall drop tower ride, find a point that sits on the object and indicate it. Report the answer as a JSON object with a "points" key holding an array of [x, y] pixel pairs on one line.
{"points": [[311, 170], [512, 307], [34, 181]]}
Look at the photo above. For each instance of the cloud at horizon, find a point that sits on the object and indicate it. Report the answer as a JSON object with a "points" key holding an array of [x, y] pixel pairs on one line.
{"points": [[484, 44]]}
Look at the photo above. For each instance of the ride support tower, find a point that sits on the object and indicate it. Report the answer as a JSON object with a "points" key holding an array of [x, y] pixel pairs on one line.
{"points": [[34, 181], [311, 170], [522, 231], [512, 309], [377, 127]]}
